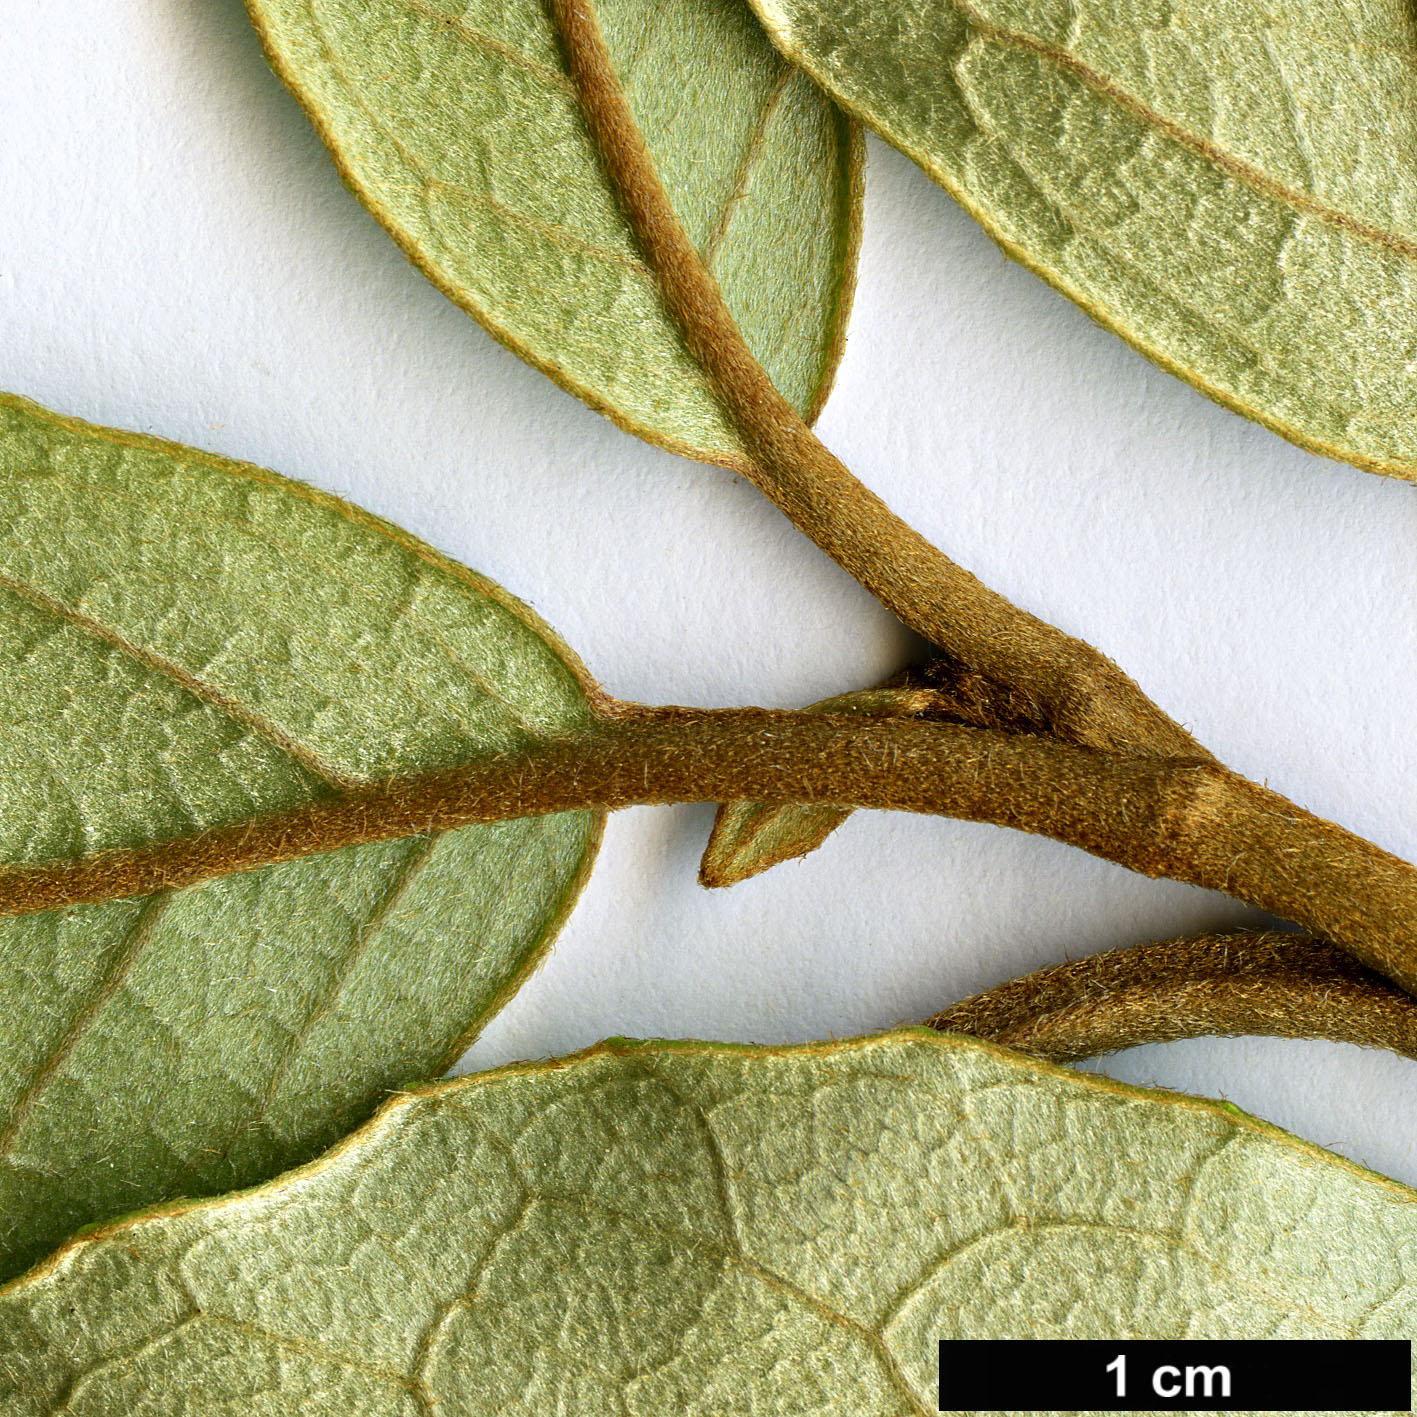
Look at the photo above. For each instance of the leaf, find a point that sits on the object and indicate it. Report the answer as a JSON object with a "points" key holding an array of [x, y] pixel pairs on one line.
{"points": [[750, 837], [460, 128], [1231, 188], [698, 1228], [185, 642]]}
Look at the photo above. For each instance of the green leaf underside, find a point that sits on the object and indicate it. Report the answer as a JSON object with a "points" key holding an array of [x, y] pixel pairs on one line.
{"points": [[188, 642], [459, 127], [1232, 189], [657, 1229]]}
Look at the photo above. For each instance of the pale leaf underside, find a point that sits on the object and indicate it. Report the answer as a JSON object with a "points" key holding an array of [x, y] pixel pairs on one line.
{"points": [[186, 642], [1231, 188], [704, 1229], [460, 128]]}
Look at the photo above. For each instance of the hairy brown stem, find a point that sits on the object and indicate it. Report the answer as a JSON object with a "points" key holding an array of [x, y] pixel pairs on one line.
{"points": [[1190, 819], [751, 837], [1086, 698], [1237, 982]]}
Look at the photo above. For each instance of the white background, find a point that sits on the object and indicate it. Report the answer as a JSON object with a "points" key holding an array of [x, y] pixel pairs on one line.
{"points": [[178, 256]]}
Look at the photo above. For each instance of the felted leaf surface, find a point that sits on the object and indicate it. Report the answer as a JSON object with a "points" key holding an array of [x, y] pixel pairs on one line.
{"points": [[187, 641], [672, 1229], [459, 127], [1230, 187]]}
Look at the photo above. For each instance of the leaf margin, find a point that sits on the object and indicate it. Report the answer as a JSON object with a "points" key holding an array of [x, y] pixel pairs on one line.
{"points": [[558, 906], [850, 196], [370, 1132], [773, 18]]}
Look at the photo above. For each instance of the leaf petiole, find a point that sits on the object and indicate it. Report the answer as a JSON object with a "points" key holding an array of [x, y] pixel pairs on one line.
{"points": [[1231, 983]]}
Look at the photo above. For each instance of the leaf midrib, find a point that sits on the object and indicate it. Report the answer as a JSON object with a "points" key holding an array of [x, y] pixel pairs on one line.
{"points": [[562, 235]]}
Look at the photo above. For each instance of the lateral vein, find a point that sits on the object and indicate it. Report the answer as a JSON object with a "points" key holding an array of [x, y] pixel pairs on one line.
{"points": [[479, 39], [195, 686], [113, 980], [1237, 167], [739, 188]]}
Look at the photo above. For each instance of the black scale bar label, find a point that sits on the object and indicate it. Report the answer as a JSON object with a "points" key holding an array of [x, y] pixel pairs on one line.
{"points": [[1185, 1375]]}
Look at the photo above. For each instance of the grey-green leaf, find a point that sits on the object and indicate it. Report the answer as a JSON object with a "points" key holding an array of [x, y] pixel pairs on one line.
{"points": [[749, 838], [666, 1229], [458, 126], [185, 642], [1232, 188]]}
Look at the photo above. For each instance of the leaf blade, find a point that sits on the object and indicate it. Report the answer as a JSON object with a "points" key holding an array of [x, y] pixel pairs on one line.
{"points": [[1202, 198], [749, 838], [525, 232], [719, 1225], [190, 641]]}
